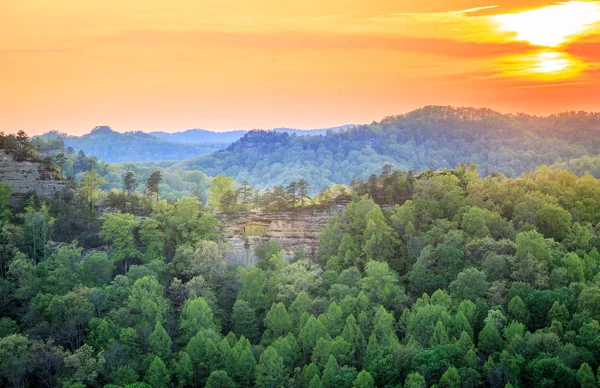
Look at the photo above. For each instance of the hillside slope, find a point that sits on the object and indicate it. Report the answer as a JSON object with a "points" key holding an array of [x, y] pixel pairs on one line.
{"points": [[114, 147], [432, 137]]}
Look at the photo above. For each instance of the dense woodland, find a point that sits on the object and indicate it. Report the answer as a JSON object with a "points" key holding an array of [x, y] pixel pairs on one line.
{"points": [[115, 147], [440, 279], [429, 138]]}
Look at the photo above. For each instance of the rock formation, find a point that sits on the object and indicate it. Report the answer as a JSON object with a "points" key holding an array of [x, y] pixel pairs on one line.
{"points": [[28, 177], [294, 231]]}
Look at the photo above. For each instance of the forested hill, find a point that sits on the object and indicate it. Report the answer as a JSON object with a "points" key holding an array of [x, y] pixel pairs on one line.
{"points": [[431, 137], [115, 147], [204, 136]]}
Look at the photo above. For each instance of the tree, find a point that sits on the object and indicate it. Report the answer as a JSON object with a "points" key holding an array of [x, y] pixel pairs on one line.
{"points": [[414, 380], [302, 187], [38, 225], [450, 379], [381, 285], [222, 193], [160, 342], [152, 183], [379, 242], [196, 315], [5, 193], [219, 379], [270, 372], [68, 316], [129, 182], [119, 230], [14, 360], [244, 320], [85, 365], [553, 222], [585, 376], [364, 380], [89, 187], [489, 339], [96, 269], [291, 190], [330, 372], [277, 323], [245, 193], [158, 376], [183, 369], [469, 284]]}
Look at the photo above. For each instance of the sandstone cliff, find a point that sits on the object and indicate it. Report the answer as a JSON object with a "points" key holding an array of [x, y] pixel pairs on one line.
{"points": [[294, 231], [28, 177]]}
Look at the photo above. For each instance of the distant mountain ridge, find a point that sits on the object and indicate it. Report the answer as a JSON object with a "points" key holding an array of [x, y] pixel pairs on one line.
{"points": [[228, 137], [137, 146]]}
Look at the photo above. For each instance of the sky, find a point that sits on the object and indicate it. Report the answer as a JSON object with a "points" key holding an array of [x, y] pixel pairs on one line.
{"points": [[71, 65]]}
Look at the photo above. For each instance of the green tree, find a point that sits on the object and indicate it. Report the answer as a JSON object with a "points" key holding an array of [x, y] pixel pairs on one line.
{"points": [[469, 284], [277, 323], [85, 365], [220, 379], [364, 380], [158, 376], [184, 369], [489, 339], [160, 342], [5, 193], [381, 285], [95, 269], [585, 376], [14, 360], [270, 372], [152, 183], [330, 373], [89, 187], [38, 226], [195, 316], [222, 193], [414, 380], [450, 379], [129, 182], [553, 221], [119, 230], [244, 320]]}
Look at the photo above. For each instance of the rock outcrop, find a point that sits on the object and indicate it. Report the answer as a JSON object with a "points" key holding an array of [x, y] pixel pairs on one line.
{"points": [[28, 177], [294, 231]]}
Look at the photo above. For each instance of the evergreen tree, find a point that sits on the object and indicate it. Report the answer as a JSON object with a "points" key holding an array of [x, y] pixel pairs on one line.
{"points": [[244, 320], [157, 376], [270, 372]]}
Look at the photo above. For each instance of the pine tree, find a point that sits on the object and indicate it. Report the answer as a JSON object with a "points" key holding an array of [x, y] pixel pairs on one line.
{"points": [[158, 376], [364, 380], [244, 320], [270, 372], [160, 342], [219, 379]]}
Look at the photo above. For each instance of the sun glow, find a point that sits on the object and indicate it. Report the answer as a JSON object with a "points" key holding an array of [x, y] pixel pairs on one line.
{"points": [[551, 62], [553, 25]]}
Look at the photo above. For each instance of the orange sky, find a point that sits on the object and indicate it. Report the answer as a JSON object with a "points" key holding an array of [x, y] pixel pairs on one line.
{"points": [[171, 65]]}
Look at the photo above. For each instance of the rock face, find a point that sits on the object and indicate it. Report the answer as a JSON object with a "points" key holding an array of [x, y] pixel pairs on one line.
{"points": [[28, 177], [294, 231]]}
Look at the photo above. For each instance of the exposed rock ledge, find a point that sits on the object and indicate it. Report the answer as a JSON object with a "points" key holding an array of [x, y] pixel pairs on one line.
{"points": [[294, 231], [28, 177]]}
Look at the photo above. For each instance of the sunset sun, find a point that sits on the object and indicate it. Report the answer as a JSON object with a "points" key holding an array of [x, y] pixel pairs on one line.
{"points": [[553, 25]]}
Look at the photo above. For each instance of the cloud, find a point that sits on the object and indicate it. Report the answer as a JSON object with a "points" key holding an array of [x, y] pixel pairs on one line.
{"points": [[290, 41]]}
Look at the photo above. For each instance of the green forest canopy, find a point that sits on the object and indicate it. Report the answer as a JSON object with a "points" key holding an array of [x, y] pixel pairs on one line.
{"points": [[439, 278]]}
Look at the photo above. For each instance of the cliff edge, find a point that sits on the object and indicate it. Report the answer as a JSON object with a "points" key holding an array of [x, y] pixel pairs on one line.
{"points": [[27, 177]]}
